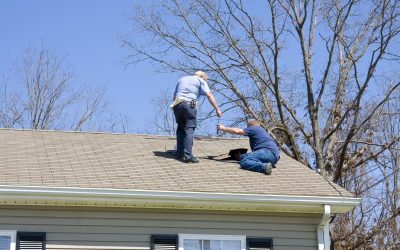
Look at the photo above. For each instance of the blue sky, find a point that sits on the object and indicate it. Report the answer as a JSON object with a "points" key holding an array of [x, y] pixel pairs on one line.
{"points": [[86, 33]]}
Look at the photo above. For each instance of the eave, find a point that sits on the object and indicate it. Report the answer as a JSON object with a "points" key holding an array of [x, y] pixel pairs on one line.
{"points": [[151, 199]]}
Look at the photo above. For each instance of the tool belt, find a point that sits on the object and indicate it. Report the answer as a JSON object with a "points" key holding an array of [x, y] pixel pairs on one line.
{"points": [[193, 103], [176, 102]]}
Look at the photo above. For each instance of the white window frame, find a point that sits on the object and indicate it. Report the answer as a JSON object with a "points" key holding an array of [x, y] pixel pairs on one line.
{"points": [[183, 237], [13, 235]]}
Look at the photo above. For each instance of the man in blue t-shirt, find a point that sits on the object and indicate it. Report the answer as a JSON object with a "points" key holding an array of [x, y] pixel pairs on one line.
{"points": [[187, 91], [265, 152]]}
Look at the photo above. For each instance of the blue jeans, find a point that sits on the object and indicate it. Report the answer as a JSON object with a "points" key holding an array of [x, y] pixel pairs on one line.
{"points": [[254, 161], [185, 116]]}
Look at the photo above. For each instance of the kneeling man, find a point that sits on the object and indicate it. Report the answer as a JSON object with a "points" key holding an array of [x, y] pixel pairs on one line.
{"points": [[265, 152]]}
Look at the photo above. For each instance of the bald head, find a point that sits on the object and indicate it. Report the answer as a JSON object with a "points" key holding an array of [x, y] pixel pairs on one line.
{"points": [[201, 74], [253, 122]]}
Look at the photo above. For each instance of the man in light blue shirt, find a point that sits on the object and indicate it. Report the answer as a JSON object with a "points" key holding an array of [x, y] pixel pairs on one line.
{"points": [[187, 91]]}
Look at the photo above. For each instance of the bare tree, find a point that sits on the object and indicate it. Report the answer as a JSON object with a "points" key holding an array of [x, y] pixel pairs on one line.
{"points": [[42, 95], [318, 72], [375, 224], [10, 109], [164, 122]]}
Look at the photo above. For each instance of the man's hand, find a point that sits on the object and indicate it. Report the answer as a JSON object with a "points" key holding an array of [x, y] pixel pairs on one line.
{"points": [[235, 131], [220, 127], [219, 113]]}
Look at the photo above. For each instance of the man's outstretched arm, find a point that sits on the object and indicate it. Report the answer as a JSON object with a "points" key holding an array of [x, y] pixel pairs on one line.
{"points": [[212, 101], [235, 131]]}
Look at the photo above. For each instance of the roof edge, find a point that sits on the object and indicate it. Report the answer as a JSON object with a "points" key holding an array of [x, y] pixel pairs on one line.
{"points": [[98, 197]]}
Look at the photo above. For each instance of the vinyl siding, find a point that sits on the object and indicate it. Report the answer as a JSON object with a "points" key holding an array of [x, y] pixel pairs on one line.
{"points": [[83, 228]]}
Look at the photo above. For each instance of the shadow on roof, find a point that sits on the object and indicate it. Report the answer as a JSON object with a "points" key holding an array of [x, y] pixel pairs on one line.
{"points": [[166, 154]]}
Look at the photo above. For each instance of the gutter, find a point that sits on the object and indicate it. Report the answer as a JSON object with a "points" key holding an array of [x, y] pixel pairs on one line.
{"points": [[97, 197]]}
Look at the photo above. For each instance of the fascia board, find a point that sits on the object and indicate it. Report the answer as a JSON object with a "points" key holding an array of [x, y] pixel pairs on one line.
{"points": [[97, 197]]}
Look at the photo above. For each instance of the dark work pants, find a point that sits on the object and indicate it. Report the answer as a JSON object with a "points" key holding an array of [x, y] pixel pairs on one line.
{"points": [[254, 161], [185, 116]]}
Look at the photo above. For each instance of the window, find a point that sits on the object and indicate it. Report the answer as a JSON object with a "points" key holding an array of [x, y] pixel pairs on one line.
{"points": [[7, 240], [31, 241], [211, 242]]}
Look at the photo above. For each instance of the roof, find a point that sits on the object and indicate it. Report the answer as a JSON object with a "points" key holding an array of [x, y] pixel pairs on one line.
{"points": [[59, 159]]}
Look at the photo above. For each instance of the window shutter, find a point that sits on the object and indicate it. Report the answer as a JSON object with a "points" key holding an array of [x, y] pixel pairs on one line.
{"points": [[31, 241], [164, 242], [259, 244]]}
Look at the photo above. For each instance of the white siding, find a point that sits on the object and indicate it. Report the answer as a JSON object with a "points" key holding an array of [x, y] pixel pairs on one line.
{"points": [[111, 228]]}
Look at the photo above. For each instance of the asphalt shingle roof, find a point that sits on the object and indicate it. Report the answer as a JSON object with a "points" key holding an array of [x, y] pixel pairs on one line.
{"points": [[125, 161]]}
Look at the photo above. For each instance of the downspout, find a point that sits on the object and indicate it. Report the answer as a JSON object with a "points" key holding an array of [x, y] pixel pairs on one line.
{"points": [[324, 242]]}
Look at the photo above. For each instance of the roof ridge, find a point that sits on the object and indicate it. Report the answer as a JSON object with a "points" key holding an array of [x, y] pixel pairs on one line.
{"points": [[200, 137], [65, 131]]}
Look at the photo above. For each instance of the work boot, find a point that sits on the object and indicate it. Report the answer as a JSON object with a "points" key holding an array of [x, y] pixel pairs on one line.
{"points": [[267, 168], [174, 154], [178, 157], [191, 160]]}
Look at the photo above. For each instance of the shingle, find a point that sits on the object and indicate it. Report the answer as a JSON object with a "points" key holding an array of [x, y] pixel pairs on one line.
{"points": [[124, 161]]}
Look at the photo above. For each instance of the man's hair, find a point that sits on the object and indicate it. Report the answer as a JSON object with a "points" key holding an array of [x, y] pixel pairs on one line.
{"points": [[253, 122], [201, 74]]}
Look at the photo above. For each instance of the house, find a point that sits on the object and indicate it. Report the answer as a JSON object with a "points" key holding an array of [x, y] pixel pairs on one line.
{"points": [[79, 190]]}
